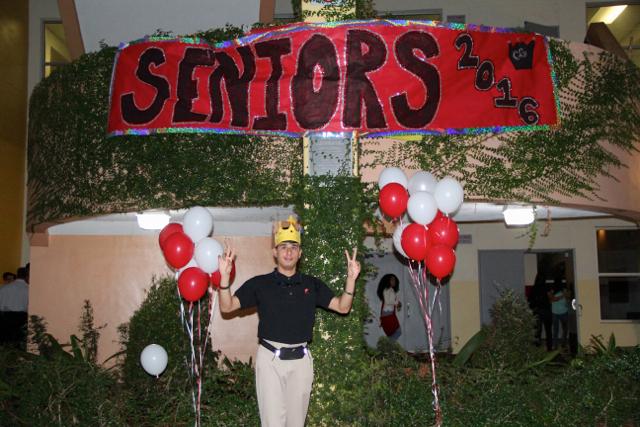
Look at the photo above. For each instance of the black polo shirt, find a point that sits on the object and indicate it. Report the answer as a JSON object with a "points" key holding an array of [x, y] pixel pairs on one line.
{"points": [[286, 305]]}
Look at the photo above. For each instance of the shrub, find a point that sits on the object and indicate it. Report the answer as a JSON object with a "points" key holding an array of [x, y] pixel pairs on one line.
{"points": [[509, 338], [55, 387], [228, 396], [399, 389]]}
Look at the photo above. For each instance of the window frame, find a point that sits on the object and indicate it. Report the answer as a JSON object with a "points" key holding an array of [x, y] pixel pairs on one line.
{"points": [[613, 275], [43, 50]]}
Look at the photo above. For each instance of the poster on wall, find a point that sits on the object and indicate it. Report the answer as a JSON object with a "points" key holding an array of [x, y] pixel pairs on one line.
{"points": [[380, 77]]}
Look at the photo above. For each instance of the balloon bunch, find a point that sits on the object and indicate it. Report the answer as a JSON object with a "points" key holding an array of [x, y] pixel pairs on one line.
{"points": [[193, 254], [189, 250], [433, 234], [428, 242]]}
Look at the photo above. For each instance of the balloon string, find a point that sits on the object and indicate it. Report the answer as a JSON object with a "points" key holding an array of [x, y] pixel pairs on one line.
{"points": [[198, 345], [194, 366], [213, 296], [200, 366], [434, 383], [420, 282], [185, 323]]}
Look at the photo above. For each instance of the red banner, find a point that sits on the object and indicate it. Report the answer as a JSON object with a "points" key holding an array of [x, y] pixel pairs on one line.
{"points": [[374, 77]]}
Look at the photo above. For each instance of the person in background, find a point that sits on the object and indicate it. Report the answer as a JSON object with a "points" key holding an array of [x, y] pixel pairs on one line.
{"points": [[286, 301], [559, 296], [541, 307], [388, 293], [14, 303], [8, 277]]}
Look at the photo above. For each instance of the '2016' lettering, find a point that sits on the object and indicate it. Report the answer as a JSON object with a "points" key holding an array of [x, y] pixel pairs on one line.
{"points": [[485, 80]]}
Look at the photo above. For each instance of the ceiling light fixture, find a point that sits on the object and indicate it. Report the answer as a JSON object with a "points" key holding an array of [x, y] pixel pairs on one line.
{"points": [[153, 220], [515, 216], [608, 14]]}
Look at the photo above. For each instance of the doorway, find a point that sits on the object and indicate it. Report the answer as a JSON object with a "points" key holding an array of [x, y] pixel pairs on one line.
{"points": [[413, 335], [516, 270]]}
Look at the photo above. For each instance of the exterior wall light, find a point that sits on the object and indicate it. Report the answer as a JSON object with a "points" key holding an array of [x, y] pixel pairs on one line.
{"points": [[515, 216], [152, 220]]}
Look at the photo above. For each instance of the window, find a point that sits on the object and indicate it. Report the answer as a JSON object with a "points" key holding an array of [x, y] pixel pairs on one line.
{"points": [[56, 53], [623, 20], [619, 273]]}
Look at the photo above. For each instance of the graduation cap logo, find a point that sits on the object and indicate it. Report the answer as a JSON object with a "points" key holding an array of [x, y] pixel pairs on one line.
{"points": [[521, 55]]}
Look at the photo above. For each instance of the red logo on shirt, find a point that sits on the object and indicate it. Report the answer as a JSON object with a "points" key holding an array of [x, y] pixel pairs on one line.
{"points": [[306, 291]]}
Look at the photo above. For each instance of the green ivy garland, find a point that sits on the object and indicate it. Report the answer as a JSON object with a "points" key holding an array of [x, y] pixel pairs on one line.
{"points": [[331, 210], [76, 171]]}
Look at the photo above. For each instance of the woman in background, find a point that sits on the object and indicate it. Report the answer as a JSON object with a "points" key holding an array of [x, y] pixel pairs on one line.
{"points": [[388, 294]]}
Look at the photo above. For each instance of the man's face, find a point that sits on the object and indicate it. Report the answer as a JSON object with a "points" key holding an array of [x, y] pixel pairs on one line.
{"points": [[287, 255]]}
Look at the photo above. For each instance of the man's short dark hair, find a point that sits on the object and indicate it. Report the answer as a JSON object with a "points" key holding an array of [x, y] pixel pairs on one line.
{"points": [[7, 275], [22, 273]]}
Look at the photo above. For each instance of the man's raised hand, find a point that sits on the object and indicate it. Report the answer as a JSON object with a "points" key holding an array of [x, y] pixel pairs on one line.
{"points": [[353, 266]]}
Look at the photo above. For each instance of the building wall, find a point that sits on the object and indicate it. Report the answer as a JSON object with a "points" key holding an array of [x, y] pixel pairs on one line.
{"points": [[570, 15], [114, 272], [579, 235], [13, 120], [117, 21], [619, 193]]}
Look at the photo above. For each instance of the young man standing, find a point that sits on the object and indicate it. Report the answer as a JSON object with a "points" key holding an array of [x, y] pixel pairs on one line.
{"points": [[286, 301]]}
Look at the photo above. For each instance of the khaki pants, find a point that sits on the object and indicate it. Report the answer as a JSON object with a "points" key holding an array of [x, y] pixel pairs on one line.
{"points": [[283, 388]]}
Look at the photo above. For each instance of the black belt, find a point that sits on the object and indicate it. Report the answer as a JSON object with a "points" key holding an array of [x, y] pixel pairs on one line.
{"points": [[285, 353]]}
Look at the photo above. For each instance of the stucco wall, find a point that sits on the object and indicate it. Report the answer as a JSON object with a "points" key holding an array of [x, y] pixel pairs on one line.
{"points": [[113, 272], [579, 235]]}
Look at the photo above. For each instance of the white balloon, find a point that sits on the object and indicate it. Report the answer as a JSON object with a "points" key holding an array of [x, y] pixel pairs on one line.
{"points": [[397, 239], [422, 207], [206, 254], [154, 359], [198, 223], [449, 195], [422, 181], [389, 175]]}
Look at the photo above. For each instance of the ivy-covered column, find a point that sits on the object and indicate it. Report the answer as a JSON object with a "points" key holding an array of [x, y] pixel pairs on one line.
{"points": [[332, 212]]}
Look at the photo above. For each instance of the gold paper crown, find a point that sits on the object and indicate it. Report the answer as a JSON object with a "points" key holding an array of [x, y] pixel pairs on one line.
{"points": [[287, 231]]}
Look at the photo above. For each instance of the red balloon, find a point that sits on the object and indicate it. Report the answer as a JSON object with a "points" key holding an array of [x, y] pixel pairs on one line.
{"points": [[193, 284], [167, 231], [440, 261], [415, 241], [178, 250], [443, 231], [393, 199], [216, 278]]}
